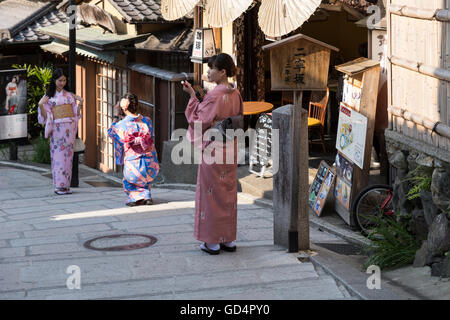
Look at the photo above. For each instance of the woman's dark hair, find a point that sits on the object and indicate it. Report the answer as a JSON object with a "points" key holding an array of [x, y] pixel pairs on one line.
{"points": [[133, 106], [223, 61], [57, 73]]}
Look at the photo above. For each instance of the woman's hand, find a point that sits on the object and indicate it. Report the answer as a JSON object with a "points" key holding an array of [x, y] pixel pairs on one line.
{"points": [[43, 100], [80, 99], [187, 87]]}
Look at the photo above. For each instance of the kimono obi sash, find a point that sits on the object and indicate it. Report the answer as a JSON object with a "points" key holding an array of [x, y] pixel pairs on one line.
{"points": [[140, 142], [62, 111]]}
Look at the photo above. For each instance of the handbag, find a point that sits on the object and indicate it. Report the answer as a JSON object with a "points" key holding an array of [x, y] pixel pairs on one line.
{"points": [[230, 123], [79, 145]]}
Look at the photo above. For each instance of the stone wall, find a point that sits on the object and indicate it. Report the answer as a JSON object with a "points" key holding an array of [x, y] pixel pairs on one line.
{"points": [[429, 212]]}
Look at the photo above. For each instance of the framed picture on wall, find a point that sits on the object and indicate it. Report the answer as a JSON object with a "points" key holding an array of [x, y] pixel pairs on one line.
{"points": [[13, 104]]}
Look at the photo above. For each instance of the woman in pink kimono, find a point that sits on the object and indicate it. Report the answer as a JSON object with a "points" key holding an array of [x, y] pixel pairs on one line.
{"points": [[216, 195], [59, 112]]}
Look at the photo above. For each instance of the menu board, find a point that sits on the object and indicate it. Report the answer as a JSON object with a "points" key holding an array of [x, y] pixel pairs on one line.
{"points": [[261, 152], [318, 192], [351, 134]]}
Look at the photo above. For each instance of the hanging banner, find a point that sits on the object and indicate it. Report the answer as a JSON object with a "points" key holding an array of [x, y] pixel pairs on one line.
{"points": [[351, 134], [13, 104]]}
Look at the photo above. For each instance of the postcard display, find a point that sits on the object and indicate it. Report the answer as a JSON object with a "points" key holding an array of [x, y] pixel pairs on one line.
{"points": [[13, 104], [354, 137]]}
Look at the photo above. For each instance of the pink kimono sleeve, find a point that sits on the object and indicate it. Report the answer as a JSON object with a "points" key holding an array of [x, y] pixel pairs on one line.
{"points": [[200, 115]]}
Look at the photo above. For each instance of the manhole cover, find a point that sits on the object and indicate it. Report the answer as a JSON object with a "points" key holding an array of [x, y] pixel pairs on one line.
{"points": [[120, 242]]}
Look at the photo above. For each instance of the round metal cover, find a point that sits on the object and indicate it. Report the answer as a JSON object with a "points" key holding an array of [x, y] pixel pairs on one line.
{"points": [[120, 242]]}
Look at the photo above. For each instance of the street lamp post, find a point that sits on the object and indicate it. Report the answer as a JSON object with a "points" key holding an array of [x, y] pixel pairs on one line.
{"points": [[72, 63]]}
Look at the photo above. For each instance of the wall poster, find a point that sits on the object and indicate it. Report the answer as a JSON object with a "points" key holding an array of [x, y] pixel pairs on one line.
{"points": [[344, 180], [13, 104], [351, 134], [318, 192]]}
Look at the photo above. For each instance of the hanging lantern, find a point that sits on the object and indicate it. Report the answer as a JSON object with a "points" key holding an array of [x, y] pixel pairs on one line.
{"points": [[204, 46]]}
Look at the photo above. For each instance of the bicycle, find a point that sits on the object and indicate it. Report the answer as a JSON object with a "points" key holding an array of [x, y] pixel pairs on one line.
{"points": [[372, 201]]}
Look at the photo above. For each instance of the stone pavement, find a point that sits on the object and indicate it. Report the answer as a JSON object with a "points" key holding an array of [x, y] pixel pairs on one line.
{"points": [[42, 234]]}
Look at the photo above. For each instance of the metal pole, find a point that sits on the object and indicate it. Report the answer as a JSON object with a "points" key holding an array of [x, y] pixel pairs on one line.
{"points": [[72, 84]]}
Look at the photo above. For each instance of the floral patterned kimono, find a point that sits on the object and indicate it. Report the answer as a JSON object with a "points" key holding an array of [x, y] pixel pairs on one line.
{"points": [[216, 194], [134, 148], [62, 138]]}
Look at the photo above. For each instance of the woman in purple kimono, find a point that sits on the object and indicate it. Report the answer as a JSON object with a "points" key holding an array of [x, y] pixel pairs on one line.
{"points": [[216, 195], [59, 112], [134, 148]]}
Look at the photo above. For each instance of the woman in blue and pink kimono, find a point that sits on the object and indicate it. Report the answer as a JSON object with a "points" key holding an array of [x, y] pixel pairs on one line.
{"points": [[134, 148]]}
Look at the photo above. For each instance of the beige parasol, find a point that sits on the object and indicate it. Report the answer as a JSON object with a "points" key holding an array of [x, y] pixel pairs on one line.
{"points": [[279, 17], [176, 9], [220, 13]]}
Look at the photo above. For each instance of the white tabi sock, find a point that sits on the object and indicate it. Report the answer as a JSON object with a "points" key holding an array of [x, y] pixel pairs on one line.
{"points": [[230, 244], [212, 246]]}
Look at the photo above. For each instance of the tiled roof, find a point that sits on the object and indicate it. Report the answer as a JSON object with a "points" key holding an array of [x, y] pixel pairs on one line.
{"points": [[12, 12], [31, 34], [139, 10], [173, 40], [360, 5]]}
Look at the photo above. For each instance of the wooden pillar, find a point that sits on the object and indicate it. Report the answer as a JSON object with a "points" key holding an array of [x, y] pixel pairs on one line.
{"points": [[198, 23], [300, 154], [89, 120]]}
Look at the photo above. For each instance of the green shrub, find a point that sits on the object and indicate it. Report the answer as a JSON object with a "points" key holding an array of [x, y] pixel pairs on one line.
{"points": [[38, 79], [393, 244], [42, 150], [420, 179]]}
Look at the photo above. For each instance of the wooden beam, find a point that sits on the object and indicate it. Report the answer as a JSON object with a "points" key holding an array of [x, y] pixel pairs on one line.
{"points": [[438, 73], [419, 13], [440, 128]]}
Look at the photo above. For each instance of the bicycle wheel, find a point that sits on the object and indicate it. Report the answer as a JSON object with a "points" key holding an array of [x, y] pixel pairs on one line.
{"points": [[369, 204]]}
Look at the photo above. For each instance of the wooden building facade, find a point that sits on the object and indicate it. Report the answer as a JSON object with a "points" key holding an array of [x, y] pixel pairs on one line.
{"points": [[419, 72]]}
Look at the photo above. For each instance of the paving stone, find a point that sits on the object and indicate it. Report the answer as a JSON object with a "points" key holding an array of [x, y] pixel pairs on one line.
{"points": [[14, 226], [73, 222], [9, 235], [67, 230], [55, 248], [11, 252], [159, 221], [22, 203], [256, 234], [43, 240], [34, 217]]}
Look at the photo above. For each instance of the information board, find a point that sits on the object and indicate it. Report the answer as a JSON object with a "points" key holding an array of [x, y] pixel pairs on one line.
{"points": [[351, 134], [13, 104], [320, 188], [261, 146]]}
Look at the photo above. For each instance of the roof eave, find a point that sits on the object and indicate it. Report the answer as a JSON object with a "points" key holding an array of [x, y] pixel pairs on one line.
{"points": [[14, 30]]}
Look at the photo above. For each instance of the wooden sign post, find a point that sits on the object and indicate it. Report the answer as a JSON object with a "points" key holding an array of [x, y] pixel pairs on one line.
{"points": [[357, 122], [299, 63]]}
